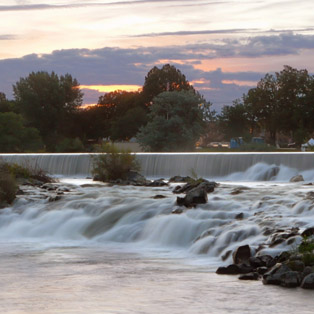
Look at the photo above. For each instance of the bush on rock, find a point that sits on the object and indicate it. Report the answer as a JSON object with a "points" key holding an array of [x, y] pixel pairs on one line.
{"points": [[114, 164]]}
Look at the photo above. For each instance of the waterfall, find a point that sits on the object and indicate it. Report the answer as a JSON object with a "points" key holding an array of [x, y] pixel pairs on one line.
{"points": [[169, 164]]}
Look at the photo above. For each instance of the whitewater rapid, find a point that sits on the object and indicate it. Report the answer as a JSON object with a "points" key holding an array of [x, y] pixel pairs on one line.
{"points": [[117, 249], [129, 218]]}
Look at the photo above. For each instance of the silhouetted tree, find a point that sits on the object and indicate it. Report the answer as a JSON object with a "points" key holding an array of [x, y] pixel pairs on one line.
{"points": [[48, 102], [168, 78], [176, 122]]}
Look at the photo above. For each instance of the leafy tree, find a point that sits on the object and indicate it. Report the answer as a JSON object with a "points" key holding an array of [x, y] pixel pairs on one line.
{"points": [[233, 121], [15, 137], [176, 122], [168, 78], [283, 103], [48, 102], [6, 105], [118, 115], [127, 126]]}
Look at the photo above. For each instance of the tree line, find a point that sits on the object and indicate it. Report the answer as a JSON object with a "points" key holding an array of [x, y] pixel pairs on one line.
{"points": [[280, 106], [46, 114], [167, 114]]}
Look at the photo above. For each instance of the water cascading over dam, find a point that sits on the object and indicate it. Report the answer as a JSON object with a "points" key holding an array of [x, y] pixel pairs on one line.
{"points": [[170, 164]]}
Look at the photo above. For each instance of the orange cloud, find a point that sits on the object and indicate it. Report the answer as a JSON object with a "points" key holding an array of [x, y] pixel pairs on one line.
{"points": [[111, 88], [240, 83]]}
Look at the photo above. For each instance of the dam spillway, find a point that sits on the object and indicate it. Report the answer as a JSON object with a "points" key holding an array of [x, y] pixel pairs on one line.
{"points": [[168, 164]]}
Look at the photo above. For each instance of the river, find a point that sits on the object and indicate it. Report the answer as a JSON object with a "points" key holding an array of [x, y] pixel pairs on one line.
{"points": [[102, 249]]}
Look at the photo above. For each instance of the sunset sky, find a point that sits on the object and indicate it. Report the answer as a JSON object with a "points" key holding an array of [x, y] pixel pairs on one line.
{"points": [[223, 47]]}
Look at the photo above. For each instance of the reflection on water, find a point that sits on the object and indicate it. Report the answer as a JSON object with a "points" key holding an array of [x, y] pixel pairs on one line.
{"points": [[95, 280]]}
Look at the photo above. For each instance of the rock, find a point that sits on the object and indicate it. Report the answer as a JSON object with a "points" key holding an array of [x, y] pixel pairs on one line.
{"points": [[262, 270], [177, 211], [308, 232], [242, 254], [54, 198], [159, 182], [239, 190], [296, 265], [239, 216], [290, 279], [256, 261], [249, 276], [234, 269], [283, 256], [207, 185], [273, 277], [229, 270], [180, 179], [297, 178], [136, 178], [308, 282], [158, 196], [193, 197], [49, 187], [267, 260], [226, 255]]}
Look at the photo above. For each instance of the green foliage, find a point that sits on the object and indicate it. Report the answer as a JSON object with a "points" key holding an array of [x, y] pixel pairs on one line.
{"points": [[127, 126], [307, 250], [8, 185], [113, 164], [70, 145], [15, 137], [283, 103], [168, 78], [118, 115], [19, 171], [48, 103], [233, 121], [176, 122]]}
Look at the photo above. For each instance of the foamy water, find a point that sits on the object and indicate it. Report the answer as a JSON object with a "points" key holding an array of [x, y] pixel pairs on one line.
{"points": [[104, 249]]}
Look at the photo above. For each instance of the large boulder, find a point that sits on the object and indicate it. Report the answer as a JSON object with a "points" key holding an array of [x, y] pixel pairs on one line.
{"points": [[195, 196], [274, 276], [308, 232], [308, 282], [297, 178], [242, 254], [207, 185], [290, 279]]}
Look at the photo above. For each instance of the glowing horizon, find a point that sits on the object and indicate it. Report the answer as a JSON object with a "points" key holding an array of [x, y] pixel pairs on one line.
{"points": [[112, 88]]}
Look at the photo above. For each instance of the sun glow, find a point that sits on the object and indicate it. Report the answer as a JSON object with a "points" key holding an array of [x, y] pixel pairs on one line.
{"points": [[112, 88]]}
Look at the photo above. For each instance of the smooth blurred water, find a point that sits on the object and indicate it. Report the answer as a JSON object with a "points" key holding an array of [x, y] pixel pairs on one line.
{"points": [[95, 280], [103, 249]]}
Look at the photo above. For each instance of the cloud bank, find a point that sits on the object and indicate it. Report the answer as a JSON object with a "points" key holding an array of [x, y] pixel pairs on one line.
{"points": [[117, 66]]}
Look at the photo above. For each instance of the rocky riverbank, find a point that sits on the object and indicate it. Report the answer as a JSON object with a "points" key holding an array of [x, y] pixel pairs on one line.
{"points": [[288, 269]]}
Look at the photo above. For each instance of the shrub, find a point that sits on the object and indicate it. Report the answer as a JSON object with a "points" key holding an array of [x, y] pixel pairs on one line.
{"points": [[70, 145], [113, 164], [8, 185], [306, 248]]}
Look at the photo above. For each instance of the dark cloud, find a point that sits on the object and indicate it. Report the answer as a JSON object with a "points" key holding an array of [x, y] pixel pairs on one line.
{"points": [[7, 37], [43, 6], [115, 66], [200, 32]]}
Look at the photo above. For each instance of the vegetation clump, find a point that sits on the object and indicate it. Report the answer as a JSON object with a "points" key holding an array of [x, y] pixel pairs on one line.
{"points": [[113, 164], [8, 186], [306, 248], [13, 175]]}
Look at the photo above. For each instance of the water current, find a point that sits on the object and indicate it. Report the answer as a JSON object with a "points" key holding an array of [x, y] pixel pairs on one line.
{"points": [[113, 249]]}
